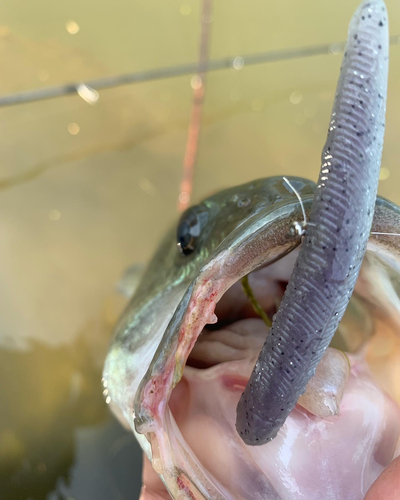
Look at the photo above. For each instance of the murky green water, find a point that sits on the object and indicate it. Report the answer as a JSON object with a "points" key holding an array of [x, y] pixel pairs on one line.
{"points": [[85, 191]]}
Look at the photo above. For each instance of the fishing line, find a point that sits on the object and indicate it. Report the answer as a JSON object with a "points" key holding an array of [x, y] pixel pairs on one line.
{"points": [[236, 63], [297, 228], [386, 234], [300, 228]]}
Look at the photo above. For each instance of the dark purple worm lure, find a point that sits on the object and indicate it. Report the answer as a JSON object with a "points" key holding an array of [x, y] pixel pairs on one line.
{"points": [[336, 236]]}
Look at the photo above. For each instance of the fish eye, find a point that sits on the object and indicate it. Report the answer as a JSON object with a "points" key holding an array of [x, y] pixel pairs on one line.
{"points": [[189, 229]]}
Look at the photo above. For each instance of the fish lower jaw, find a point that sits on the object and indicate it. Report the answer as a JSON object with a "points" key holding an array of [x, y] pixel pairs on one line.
{"points": [[344, 422], [198, 445]]}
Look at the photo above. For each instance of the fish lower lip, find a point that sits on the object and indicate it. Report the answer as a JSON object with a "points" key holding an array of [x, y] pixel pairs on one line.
{"points": [[309, 452], [204, 404]]}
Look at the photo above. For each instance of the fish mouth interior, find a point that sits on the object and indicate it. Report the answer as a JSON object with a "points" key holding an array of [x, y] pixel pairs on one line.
{"points": [[201, 413], [240, 332]]}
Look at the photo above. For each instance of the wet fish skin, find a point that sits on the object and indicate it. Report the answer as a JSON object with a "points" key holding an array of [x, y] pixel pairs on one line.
{"points": [[336, 238]]}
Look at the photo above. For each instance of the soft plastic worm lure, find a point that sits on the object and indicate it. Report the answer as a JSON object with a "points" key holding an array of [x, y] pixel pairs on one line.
{"points": [[336, 237]]}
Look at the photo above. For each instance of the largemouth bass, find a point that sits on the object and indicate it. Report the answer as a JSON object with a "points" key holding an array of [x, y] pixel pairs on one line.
{"points": [[226, 407]]}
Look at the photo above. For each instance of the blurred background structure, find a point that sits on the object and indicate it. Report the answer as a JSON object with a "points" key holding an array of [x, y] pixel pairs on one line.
{"points": [[88, 184]]}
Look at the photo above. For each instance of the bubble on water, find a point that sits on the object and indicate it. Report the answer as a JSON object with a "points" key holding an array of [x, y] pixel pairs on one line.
{"points": [[73, 128], [89, 95], [54, 215], [185, 9], [238, 62], [196, 82], [43, 75], [296, 97], [384, 174], [335, 49], [72, 27], [184, 198]]}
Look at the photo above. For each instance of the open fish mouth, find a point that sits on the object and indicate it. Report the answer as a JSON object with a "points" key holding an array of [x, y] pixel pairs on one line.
{"points": [[361, 429], [178, 388], [238, 410]]}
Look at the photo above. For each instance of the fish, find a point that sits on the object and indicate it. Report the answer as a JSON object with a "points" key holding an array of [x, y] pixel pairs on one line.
{"points": [[226, 406]]}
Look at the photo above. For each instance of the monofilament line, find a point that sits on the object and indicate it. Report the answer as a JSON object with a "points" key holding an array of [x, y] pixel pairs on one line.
{"points": [[386, 234], [300, 200]]}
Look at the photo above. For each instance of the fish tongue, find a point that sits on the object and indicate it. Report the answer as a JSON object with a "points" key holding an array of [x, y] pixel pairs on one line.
{"points": [[240, 340]]}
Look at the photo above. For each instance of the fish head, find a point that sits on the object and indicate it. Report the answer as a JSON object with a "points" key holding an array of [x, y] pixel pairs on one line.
{"points": [[146, 330], [175, 372]]}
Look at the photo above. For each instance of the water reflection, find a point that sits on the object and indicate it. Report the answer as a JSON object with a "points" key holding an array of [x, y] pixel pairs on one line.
{"points": [[107, 465], [56, 434]]}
